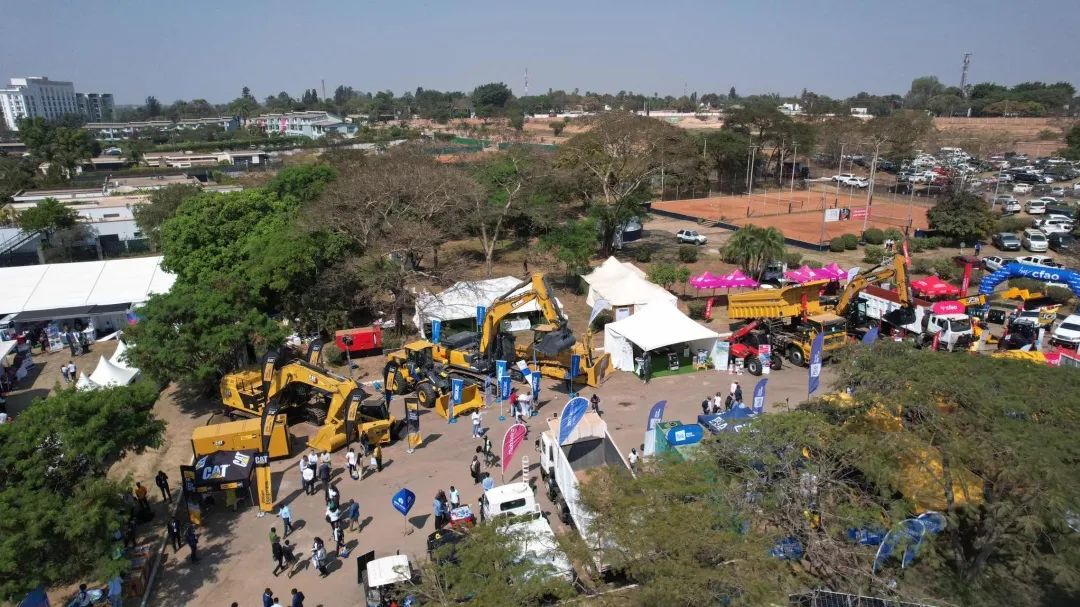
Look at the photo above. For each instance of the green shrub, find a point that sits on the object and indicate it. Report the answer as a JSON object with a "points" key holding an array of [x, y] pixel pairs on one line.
{"points": [[333, 354], [688, 254], [873, 253], [696, 310], [851, 241], [836, 245], [922, 265], [895, 234], [946, 269], [873, 236], [814, 264], [1012, 224], [792, 259], [1059, 295], [643, 255]]}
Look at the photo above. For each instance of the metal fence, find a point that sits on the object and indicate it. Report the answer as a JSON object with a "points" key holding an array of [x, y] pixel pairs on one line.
{"points": [[828, 598]]}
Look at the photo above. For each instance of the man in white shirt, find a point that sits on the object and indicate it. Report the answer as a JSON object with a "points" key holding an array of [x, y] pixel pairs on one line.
{"points": [[350, 463], [633, 458], [455, 497], [475, 423], [309, 480]]}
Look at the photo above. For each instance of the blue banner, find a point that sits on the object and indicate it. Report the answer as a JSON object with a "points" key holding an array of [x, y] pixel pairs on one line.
{"points": [[815, 365], [759, 396], [871, 335], [571, 414], [575, 364], [481, 312], [436, 330], [456, 386], [686, 434], [656, 414], [500, 369], [730, 421], [504, 387], [534, 379], [403, 501]]}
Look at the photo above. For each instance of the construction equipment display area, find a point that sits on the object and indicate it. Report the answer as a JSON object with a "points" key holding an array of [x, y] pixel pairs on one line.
{"points": [[807, 217]]}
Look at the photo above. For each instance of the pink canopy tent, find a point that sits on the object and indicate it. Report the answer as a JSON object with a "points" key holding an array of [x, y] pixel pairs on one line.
{"points": [[932, 286], [833, 271], [800, 275], [737, 280], [704, 281]]}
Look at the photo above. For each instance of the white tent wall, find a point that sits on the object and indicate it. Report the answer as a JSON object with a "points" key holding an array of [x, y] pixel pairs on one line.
{"points": [[460, 300], [109, 374], [654, 327], [624, 286]]}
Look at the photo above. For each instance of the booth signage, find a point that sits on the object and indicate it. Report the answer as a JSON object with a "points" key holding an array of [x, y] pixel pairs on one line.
{"points": [[686, 434], [572, 413], [403, 501]]}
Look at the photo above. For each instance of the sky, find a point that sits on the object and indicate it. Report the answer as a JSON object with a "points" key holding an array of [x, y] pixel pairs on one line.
{"points": [[211, 49]]}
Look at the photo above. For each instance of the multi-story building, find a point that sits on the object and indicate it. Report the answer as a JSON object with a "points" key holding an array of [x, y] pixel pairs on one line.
{"points": [[95, 107], [228, 123], [111, 131], [312, 124], [40, 97]]}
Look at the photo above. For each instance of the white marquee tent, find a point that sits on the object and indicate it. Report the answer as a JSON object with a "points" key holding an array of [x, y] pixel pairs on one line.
{"points": [[460, 300], [114, 371], [624, 287], [656, 325]]}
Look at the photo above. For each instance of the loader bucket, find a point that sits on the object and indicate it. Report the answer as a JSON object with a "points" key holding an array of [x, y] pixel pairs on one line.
{"points": [[472, 398], [557, 341]]}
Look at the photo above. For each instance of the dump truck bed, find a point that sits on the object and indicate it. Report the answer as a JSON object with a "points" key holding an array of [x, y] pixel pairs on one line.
{"points": [[777, 303]]}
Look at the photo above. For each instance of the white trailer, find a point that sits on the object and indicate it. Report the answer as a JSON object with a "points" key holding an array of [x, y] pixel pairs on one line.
{"points": [[953, 330], [531, 532], [564, 467]]}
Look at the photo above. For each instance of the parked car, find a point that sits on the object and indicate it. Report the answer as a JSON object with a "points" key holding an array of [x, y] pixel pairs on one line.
{"points": [[1067, 334], [1057, 191], [1029, 178], [1056, 228], [842, 177], [1060, 210], [1011, 206], [1034, 240], [690, 237], [995, 262], [1035, 207], [856, 182], [1038, 260], [1006, 241], [1061, 242], [1054, 218], [1022, 188], [1005, 178]]}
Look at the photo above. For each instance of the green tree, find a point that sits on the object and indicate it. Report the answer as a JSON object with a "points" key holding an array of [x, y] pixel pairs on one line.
{"points": [[753, 247], [616, 161], [726, 151], [152, 107], [557, 127], [490, 99], [922, 89], [55, 500], [962, 216], [48, 216], [161, 206], [573, 244], [16, 175], [63, 148]]}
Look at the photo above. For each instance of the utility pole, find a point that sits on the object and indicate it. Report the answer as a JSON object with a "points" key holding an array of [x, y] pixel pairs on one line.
{"points": [[964, 74], [323, 88]]}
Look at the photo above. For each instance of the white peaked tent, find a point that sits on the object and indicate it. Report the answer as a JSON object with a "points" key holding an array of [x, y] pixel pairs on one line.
{"points": [[461, 299], [624, 287], [119, 357], [656, 325], [84, 383], [109, 373]]}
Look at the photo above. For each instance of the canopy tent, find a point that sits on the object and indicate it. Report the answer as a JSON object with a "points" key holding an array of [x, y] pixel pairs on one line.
{"points": [[654, 326], [219, 471], [84, 383], [932, 286], [731, 420], [119, 357], [109, 373], [461, 300], [84, 288], [623, 285]]}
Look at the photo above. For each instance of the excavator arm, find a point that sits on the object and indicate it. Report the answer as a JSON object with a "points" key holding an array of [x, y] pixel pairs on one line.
{"points": [[557, 336]]}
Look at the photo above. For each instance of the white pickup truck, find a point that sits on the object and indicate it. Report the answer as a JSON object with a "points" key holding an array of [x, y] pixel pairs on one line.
{"points": [[954, 331], [532, 533], [588, 448]]}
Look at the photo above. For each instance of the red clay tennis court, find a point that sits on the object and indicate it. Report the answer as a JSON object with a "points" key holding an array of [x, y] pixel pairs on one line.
{"points": [[799, 214]]}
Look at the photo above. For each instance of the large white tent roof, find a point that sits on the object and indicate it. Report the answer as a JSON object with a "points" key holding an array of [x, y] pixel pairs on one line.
{"points": [[658, 325], [108, 373], [460, 300], [623, 284], [90, 283], [612, 269]]}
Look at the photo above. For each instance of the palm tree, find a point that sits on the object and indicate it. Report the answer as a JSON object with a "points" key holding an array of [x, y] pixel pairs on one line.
{"points": [[752, 248]]}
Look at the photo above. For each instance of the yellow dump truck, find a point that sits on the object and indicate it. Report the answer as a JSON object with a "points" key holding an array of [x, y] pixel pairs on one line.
{"points": [[241, 435], [793, 316]]}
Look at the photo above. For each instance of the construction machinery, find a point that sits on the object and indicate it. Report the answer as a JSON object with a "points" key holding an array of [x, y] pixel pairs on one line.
{"points": [[340, 405], [242, 435], [427, 368], [746, 344], [793, 317]]}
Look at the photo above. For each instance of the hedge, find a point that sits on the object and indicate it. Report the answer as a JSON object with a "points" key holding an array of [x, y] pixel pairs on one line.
{"points": [[836, 245], [873, 236], [851, 241], [873, 254], [688, 254]]}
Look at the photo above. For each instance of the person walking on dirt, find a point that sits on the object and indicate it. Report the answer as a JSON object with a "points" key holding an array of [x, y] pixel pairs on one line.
{"points": [[324, 478], [738, 394], [297, 598], [350, 463], [376, 454], [352, 510], [318, 557], [192, 542], [162, 482], [309, 480], [140, 495], [595, 402], [286, 519], [279, 556], [267, 597], [174, 534], [474, 469]]}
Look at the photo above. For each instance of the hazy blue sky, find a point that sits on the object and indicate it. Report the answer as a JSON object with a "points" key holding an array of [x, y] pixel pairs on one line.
{"points": [[210, 49]]}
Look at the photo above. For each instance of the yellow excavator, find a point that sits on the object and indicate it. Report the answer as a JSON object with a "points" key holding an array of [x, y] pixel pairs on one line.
{"points": [[341, 407], [427, 368]]}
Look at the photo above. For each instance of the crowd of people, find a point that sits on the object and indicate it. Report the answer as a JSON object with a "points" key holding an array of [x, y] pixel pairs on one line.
{"points": [[717, 403]]}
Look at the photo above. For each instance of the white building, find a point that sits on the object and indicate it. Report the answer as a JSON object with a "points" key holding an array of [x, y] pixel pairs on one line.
{"points": [[39, 97], [312, 124]]}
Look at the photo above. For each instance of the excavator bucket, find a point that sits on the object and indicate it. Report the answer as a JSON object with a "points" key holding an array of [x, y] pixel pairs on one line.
{"points": [[472, 398], [559, 340]]}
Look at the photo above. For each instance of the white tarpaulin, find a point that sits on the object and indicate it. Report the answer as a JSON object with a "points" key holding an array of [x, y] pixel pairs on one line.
{"points": [[623, 284], [654, 326], [108, 373], [460, 300], [6, 347], [119, 358], [90, 283]]}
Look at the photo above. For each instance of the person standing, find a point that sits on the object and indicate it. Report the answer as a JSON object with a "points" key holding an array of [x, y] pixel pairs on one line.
{"points": [[350, 463], [174, 534], [116, 591], [595, 402], [718, 402], [309, 480], [297, 598], [274, 536], [705, 406], [738, 394], [313, 459], [318, 557], [437, 510], [455, 497], [324, 478], [633, 458], [325, 458], [353, 511], [978, 248], [376, 454], [288, 553], [276, 603], [339, 541], [489, 457], [140, 495], [474, 469], [286, 519], [73, 371], [267, 598], [162, 482], [475, 423], [333, 515], [332, 495], [64, 372], [192, 542], [279, 556]]}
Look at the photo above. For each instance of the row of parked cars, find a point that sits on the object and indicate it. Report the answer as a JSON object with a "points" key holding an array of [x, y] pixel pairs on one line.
{"points": [[1037, 240]]}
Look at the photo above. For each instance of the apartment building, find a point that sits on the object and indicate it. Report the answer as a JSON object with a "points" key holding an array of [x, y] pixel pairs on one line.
{"points": [[96, 107], [311, 124], [40, 97]]}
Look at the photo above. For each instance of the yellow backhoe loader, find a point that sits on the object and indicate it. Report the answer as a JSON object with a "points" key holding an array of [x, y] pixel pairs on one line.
{"points": [[341, 407]]}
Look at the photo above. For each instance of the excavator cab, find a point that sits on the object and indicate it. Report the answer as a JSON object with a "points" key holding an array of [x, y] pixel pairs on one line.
{"points": [[553, 341]]}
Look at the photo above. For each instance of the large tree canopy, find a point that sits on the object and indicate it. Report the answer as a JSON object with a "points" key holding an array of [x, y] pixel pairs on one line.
{"points": [[58, 512], [962, 216]]}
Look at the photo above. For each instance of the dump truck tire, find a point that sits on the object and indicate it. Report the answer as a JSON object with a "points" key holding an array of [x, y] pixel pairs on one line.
{"points": [[796, 356]]}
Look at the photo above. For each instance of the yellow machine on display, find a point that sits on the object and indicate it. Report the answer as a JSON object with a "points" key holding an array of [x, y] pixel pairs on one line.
{"points": [[339, 404], [794, 316], [427, 368], [241, 435]]}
